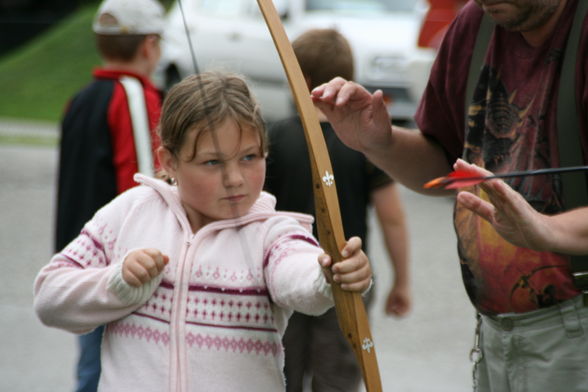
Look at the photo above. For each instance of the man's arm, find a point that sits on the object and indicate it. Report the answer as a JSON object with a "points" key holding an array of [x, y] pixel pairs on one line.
{"points": [[390, 214], [361, 121], [570, 232], [413, 160]]}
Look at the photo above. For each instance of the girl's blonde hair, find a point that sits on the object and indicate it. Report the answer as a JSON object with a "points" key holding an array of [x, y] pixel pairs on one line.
{"points": [[203, 102]]}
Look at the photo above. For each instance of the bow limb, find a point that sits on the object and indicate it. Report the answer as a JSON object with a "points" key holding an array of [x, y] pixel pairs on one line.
{"points": [[350, 308]]}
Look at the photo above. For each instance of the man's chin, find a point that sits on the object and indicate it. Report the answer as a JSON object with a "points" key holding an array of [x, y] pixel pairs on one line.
{"points": [[499, 10], [503, 14]]}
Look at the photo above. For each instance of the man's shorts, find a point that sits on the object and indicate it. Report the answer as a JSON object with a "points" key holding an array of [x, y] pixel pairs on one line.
{"points": [[542, 350]]}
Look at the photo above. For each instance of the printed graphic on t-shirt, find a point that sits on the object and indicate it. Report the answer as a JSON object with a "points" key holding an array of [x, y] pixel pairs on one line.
{"points": [[506, 132]]}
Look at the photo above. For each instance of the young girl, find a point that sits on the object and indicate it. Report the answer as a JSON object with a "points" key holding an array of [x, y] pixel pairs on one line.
{"points": [[195, 281]]}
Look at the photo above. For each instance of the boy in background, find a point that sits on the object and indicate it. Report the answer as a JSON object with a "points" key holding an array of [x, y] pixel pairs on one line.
{"points": [[108, 133], [314, 346]]}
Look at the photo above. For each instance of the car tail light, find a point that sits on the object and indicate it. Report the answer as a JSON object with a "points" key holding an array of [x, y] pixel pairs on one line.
{"points": [[440, 14]]}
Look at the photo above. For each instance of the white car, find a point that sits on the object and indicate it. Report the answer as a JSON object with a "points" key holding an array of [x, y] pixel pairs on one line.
{"points": [[232, 35]]}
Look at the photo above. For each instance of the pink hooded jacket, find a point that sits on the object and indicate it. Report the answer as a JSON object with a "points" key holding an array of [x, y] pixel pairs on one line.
{"points": [[213, 320]]}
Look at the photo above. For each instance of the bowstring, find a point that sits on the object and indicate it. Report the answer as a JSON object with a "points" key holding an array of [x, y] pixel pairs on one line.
{"points": [[215, 141], [190, 45]]}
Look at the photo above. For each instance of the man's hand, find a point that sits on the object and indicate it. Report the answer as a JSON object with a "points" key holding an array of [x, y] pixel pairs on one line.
{"points": [[359, 118], [507, 211]]}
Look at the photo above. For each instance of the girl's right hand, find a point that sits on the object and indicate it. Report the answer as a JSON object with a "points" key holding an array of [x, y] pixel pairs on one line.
{"points": [[142, 265]]}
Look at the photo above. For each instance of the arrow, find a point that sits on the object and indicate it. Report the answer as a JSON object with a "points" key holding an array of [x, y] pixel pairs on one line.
{"points": [[463, 178]]}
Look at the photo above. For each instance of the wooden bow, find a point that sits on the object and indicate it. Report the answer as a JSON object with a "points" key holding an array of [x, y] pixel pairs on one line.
{"points": [[350, 308]]}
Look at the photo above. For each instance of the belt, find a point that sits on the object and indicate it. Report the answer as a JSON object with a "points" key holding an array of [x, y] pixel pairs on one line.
{"points": [[510, 321]]}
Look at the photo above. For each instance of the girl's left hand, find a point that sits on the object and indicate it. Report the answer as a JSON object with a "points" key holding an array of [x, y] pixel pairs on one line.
{"points": [[353, 273]]}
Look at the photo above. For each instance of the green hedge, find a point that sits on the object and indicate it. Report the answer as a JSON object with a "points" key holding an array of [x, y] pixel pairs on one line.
{"points": [[38, 78]]}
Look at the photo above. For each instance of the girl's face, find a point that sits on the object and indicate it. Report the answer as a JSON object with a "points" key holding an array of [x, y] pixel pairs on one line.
{"points": [[224, 178]]}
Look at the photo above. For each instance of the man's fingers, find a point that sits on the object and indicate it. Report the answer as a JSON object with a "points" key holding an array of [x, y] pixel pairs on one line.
{"points": [[327, 92], [460, 164], [338, 92], [345, 94], [482, 208]]}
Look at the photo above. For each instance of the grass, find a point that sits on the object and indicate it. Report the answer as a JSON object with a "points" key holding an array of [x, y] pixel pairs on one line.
{"points": [[39, 78]]}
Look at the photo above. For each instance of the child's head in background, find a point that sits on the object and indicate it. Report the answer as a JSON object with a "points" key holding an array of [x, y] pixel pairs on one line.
{"points": [[128, 34], [323, 54]]}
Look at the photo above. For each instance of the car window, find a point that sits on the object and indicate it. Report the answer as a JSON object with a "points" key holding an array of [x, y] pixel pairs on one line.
{"points": [[251, 10], [223, 8], [361, 6]]}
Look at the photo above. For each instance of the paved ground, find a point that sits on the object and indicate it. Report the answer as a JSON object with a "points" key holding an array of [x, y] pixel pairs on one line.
{"points": [[425, 352]]}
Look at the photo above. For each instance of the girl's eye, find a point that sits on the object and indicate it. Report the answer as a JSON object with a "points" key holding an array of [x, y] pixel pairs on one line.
{"points": [[249, 157], [212, 162]]}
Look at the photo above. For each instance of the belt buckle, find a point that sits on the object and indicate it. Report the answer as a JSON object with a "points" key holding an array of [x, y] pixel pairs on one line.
{"points": [[507, 324], [581, 280]]}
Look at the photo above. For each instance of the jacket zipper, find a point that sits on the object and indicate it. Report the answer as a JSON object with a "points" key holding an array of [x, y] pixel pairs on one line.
{"points": [[177, 326]]}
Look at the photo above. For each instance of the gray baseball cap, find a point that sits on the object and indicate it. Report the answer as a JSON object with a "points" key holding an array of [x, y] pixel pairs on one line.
{"points": [[115, 17]]}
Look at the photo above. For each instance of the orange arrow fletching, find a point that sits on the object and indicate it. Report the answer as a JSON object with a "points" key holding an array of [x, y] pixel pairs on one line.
{"points": [[455, 179]]}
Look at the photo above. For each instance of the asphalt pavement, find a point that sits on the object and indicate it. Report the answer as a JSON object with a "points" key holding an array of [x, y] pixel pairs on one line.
{"points": [[426, 351]]}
